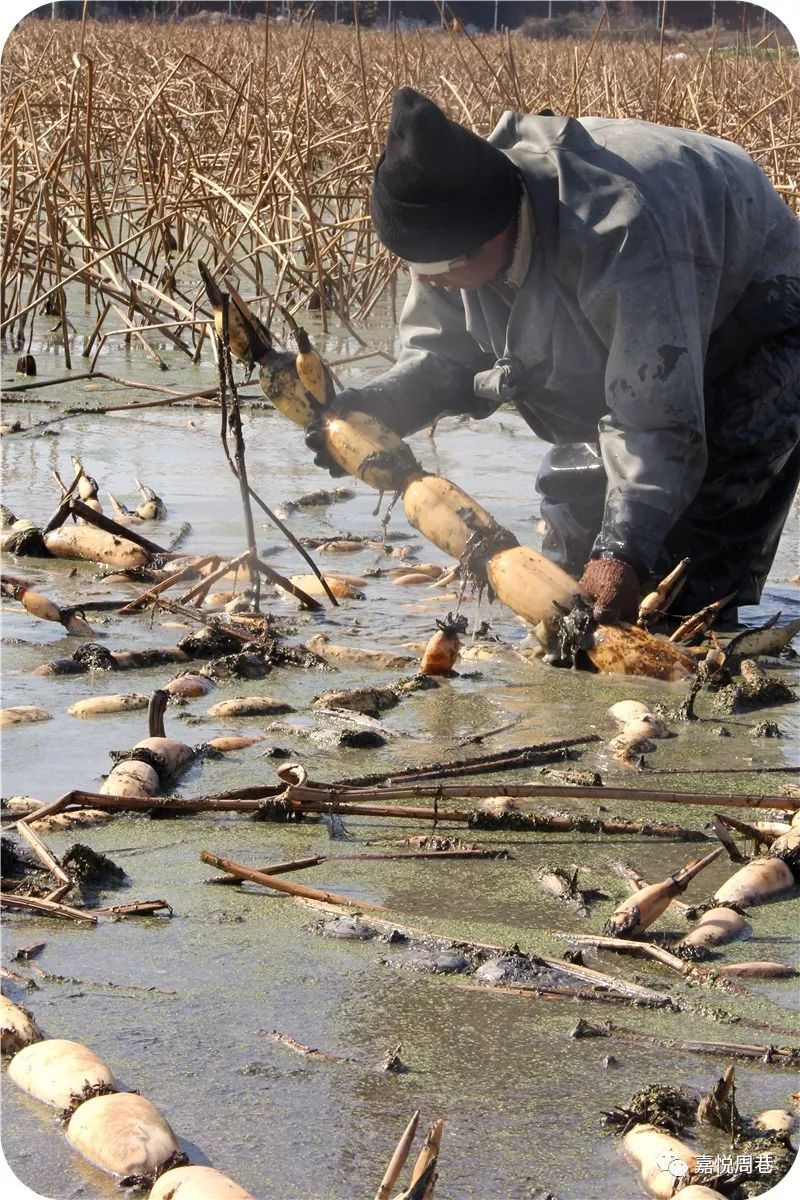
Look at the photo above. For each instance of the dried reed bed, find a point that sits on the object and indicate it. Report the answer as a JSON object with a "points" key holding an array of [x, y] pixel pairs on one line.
{"points": [[129, 149]]}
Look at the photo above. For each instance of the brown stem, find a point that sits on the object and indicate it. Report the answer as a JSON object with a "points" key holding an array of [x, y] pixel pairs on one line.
{"points": [[144, 597], [49, 907], [106, 523], [44, 854], [281, 885], [519, 756]]}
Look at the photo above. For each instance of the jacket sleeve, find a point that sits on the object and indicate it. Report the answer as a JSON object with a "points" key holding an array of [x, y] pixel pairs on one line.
{"points": [[435, 371], [643, 305]]}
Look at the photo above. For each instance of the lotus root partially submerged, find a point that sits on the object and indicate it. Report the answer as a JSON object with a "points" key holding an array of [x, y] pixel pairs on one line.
{"points": [[340, 588], [661, 1158], [95, 545], [777, 1120], [249, 706], [131, 778], [56, 1070], [355, 656], [123, 1134], [94, 706], [17, 1027], [196, 1183], [699, 1191], [22, 714], [626, 711], [756, 882], [716, 927], [190, 685]]}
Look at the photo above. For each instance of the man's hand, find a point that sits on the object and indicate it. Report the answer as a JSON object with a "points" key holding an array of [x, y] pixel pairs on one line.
{"points": [[315, 432], [614, 587]]}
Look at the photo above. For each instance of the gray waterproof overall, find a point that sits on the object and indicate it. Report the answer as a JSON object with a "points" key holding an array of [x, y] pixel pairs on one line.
{"points": [[654, 340]]}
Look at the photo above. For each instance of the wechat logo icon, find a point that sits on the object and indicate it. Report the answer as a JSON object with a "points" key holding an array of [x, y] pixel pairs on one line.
{"points": [[670, 1162]]}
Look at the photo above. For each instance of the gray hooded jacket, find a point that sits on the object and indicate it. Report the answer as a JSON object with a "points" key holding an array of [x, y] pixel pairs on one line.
{"points": [[660, 258]]}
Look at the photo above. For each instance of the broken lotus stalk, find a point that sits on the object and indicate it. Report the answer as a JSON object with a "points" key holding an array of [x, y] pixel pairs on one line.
{"points": [[527, 582]]}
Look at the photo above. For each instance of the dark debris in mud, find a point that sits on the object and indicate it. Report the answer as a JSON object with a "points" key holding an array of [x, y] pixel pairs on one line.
{"points": [[767, 729], [92, 869], [658, 1104], [87, 1092], [16, 861]]}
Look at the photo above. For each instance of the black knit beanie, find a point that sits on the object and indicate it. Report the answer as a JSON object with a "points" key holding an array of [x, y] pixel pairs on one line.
{"points": [[439, 190]]}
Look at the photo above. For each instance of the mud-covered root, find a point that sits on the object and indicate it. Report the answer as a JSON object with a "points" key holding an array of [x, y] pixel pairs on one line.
{"points": [[249, 706], [640, 910], [699, 1191], [716, 927], [777, 1120], [24, 540], [133, 778], [627, 650], [196, 1183], [355, 656], [281, 384], [442, 650], [18, 1027], [756, 882], [369, 701], [125, 1135], [760, 688], [787, 849], [22, 714], [94, 706], [56, 1070], [95, 545]]}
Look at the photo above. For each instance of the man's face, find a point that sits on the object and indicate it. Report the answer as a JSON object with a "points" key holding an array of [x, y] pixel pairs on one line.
{"points": [[477, 269]]}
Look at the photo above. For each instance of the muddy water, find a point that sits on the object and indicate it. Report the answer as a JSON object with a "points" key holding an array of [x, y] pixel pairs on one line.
{"points": [[521, 1099]]}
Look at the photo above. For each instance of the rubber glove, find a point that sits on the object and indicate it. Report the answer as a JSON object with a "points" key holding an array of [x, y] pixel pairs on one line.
{"points": [[614, 587], [343, 403]]}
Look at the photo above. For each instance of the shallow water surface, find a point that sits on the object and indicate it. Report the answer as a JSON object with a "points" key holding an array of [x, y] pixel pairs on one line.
{"points": [[521, 1099]]}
